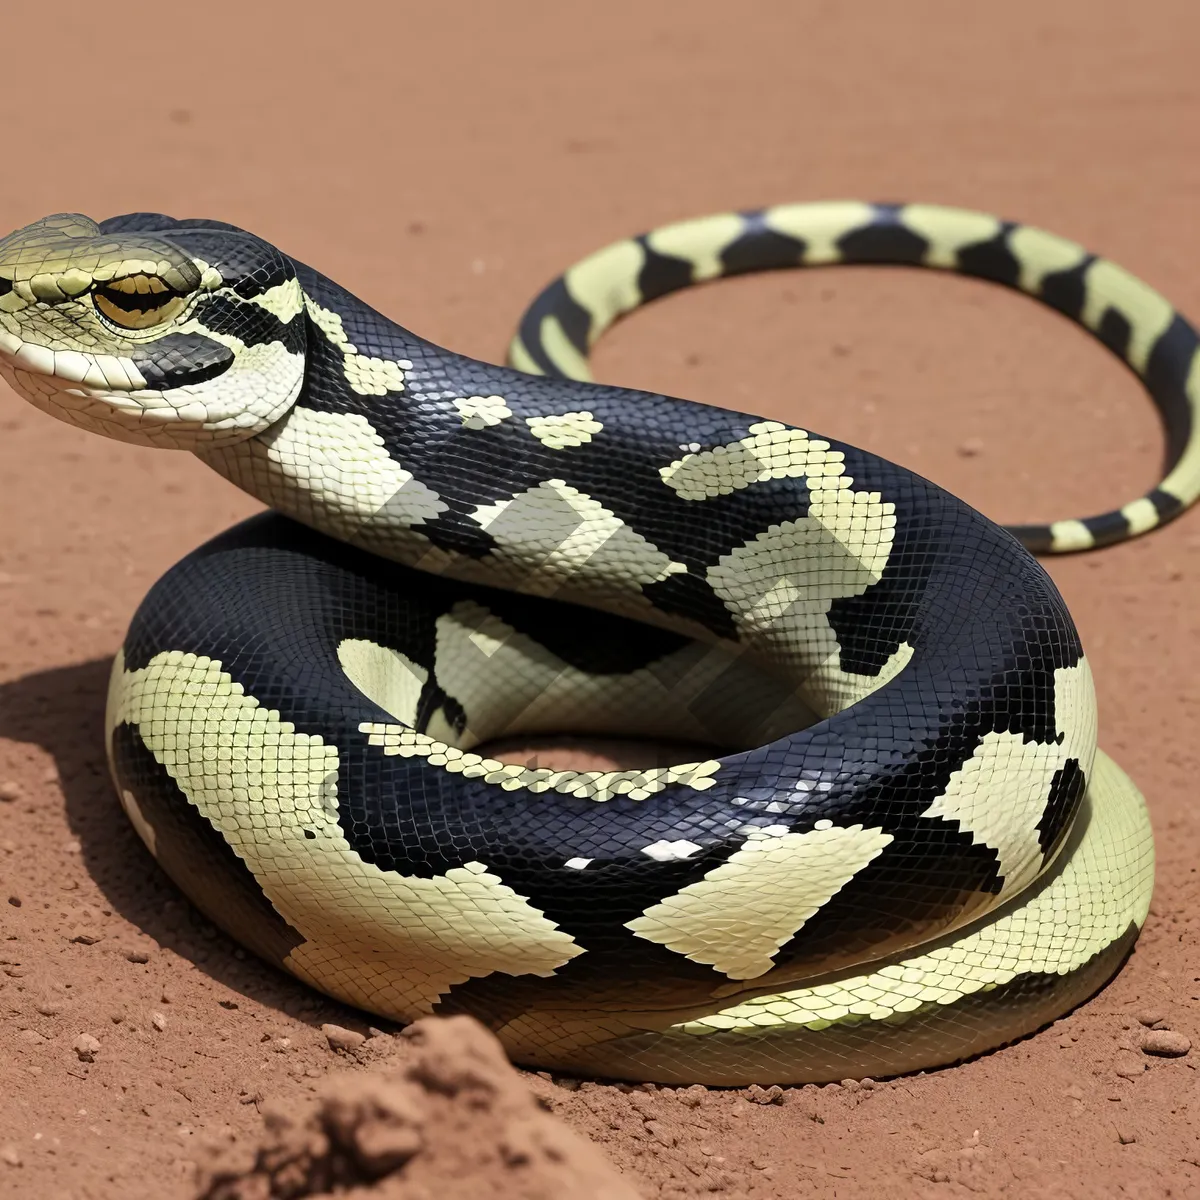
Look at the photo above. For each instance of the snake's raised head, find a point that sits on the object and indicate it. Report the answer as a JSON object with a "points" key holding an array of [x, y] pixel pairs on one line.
{"points": [[168, 333]]}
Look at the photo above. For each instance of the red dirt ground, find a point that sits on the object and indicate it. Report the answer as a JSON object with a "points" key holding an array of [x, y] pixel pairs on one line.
{"points": [[444, 161]]}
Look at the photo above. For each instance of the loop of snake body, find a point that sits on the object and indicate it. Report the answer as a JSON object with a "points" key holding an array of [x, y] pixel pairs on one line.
{"points": [[905, 848]]}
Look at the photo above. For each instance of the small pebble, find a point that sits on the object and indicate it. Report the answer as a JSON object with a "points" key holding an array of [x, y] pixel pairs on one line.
{"points": [[1126, 1136], [1164, 1043], [970, 448], [761, 1095], [1151, 1017], [15, 901], [342, 1039], [86, 937], [10, 1155], [137, 956], [1128, 1066], [49, 1008], [158, 1020], [86, 1047], [10, 790]]}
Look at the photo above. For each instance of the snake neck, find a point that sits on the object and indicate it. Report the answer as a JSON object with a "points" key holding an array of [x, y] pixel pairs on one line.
{"points": [[352, 456], [487, 474]]}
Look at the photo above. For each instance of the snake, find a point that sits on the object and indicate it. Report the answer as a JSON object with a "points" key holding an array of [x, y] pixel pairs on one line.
{"points": [[886, 840]]}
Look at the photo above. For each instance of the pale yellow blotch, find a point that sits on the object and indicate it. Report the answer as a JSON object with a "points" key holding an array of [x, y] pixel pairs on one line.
{"points": [[1040, 254], [371, 936], [481, 412], [554, 535], [781, 584], [1183, 482], [565, 429], [838, 550], [519, 357], [740, 913], [284, 301], [330, 324], [585, 785], [1148, 313], [1096, 894], [385, 676], [948, 230], [332, 470], [114, 699], [606, 283], [771, 450], [999, 795], [699, 242], [820, 226], [1141, 515], [1071, 535], [561, 351], [374, 376], [366, 375]]}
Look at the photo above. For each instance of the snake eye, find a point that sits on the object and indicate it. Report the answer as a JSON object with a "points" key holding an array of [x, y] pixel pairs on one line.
{"points": [[137, 301]]}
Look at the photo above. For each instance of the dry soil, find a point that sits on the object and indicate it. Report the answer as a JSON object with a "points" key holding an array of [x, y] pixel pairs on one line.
{"points": [[443, 161]]}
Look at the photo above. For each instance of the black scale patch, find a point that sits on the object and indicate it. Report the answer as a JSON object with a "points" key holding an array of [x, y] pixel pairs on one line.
{"points": [[177, 359], [760, 248]]}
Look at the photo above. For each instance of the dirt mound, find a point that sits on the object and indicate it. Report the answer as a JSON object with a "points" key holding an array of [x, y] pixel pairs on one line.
{"points": [[455, 1121]]}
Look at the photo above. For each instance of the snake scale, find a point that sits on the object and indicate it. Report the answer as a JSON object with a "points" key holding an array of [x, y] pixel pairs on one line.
{"points": [[899, 846]]}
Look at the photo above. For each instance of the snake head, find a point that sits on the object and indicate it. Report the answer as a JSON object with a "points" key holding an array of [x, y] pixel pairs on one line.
{"points": [[183, 334]]}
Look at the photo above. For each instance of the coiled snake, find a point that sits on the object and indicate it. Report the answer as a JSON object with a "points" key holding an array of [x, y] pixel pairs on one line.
{"points": [[908, 849]]}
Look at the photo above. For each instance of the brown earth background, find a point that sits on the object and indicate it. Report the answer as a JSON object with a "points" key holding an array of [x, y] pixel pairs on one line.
{"points": [[443, 161]]}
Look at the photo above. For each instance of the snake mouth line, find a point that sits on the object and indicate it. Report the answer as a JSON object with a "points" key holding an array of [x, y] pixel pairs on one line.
{"points": [[102, 373]]}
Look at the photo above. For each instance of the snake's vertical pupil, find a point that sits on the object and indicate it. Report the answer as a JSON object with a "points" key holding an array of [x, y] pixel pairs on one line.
{"points": [[137, 301]]}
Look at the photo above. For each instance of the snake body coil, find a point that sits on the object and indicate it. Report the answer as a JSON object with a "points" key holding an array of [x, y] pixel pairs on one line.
{"points": [[909, 849]]}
